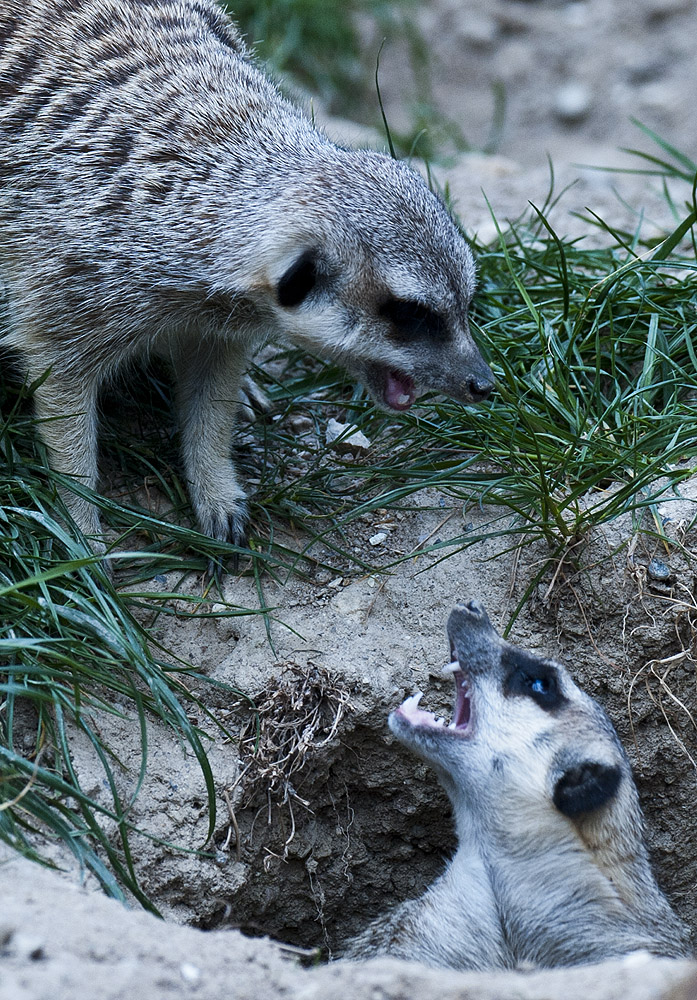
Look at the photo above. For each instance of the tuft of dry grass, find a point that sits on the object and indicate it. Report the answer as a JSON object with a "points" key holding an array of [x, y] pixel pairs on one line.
{"points": [[298, 715]]}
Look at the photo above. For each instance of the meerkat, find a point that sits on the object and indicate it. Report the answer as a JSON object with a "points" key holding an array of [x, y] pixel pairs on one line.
{"points": [[159, 196], [551, 868]]}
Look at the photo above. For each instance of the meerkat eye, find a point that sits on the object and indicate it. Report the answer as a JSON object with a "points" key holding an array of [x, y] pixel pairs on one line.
{"points": [[542, 688], [298, 281], [528, 677], [413, 321]]}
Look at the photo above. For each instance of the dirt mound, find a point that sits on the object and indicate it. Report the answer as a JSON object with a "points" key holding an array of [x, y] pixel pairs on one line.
{"points": [[61, 942]]}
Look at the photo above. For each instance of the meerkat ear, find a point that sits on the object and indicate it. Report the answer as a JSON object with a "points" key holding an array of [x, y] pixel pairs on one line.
{"points": [[298, 280], [586, 787]]}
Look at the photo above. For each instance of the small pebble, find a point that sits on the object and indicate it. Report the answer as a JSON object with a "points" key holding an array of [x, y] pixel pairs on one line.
{"points": [[300, 425], [28, 946], [577, 15], [189, 972], [351, 437], [480, 31], [572, 102], [336, 582], [378, 539], [658, 570]]}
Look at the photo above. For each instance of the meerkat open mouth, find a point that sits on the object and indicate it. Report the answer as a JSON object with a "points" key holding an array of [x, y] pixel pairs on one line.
{"points": [[461, 722], [399, 390]]}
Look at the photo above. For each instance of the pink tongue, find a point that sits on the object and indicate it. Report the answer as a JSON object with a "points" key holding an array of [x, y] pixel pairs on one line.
{"points": [[400, 391]]}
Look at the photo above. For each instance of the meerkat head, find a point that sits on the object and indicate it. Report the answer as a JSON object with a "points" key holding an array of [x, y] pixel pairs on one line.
{"points": [[525, 748], [368, 269]]}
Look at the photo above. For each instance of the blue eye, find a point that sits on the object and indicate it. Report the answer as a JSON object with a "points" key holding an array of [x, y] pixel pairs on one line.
{"points": [[531, 677]]}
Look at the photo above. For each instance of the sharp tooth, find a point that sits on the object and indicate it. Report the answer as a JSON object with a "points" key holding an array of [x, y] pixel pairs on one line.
{"points": [[412, 702], [450, 668]]}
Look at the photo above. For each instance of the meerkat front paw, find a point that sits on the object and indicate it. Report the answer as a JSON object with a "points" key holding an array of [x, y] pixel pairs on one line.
{"points": [[227, 523], [223, 518]]}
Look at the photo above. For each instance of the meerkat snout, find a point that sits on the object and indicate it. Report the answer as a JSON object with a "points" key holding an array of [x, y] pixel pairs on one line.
{"points": [[551, 867], [480, 387]]}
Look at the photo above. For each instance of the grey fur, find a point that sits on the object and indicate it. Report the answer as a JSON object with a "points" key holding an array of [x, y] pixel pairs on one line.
{"points": [[154, 189], [529, 883]]}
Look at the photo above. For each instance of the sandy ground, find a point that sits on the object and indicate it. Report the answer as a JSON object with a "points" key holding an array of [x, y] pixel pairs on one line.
{"points": [[573, 72], [60, 943], [362, 825]]}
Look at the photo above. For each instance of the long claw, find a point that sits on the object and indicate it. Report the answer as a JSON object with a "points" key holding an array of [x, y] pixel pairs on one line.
{"points": [[230, 527]]}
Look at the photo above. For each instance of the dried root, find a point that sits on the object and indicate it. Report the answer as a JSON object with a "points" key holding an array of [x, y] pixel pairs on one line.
{"points": [[298, 715]]}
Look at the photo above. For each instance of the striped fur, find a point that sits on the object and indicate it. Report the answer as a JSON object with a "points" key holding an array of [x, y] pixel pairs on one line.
{"points": [[155, 188]]}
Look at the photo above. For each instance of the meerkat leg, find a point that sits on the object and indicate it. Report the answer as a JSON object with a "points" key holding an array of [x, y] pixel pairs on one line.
{"points": [[66, 410], [208, 388]]}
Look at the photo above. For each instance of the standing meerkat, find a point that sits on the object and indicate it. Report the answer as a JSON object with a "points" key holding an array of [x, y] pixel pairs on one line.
{"points": [[551, 867], [159, 196]]}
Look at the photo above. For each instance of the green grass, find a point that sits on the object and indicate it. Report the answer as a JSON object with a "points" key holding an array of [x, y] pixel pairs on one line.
{"points": [[70, 649], [596, 360]]}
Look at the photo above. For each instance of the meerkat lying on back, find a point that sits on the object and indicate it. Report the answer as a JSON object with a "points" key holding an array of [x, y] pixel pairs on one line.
{"points": [[159, 196], [551, 867]]}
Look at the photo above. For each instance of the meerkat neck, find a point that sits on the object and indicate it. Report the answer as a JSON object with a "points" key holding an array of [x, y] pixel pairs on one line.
{"points": [[456, 923]]}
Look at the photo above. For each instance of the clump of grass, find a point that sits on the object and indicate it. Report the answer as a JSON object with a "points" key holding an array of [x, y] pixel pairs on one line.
{"points": [[71, 650], [597, 373]]}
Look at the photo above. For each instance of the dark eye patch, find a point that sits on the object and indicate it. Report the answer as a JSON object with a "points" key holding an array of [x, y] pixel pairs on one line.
{"points": [[530, 677], [414, 321], [298, 281]]}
